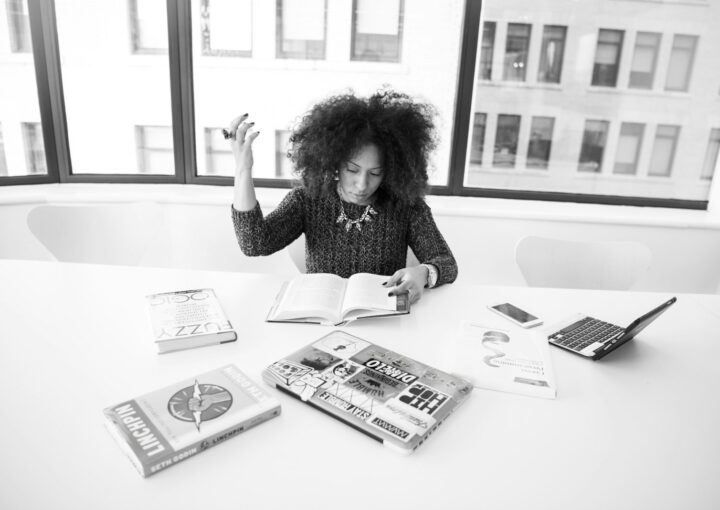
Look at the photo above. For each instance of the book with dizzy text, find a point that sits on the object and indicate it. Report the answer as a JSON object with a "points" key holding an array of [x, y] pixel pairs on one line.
{"points": [[514, 361], [322, 298], [163, 427], [187, 319]]}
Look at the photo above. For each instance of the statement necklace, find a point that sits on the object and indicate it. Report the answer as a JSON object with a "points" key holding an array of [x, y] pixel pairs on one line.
{"points": [[366, 216]]}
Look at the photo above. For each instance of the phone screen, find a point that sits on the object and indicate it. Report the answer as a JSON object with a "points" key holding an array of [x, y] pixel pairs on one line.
{"points": [[514, 312]]}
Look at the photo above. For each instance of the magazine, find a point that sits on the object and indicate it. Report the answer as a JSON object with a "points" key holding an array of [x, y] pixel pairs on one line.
{"points": [[514, 361]]}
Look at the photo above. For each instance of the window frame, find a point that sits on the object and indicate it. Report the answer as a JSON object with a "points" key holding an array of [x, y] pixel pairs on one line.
{"points": [[354, 33], [179, 17]]}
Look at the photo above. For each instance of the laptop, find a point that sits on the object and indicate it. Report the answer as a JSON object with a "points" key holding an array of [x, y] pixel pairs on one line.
{"points": [[392, 398], [595, 339]]}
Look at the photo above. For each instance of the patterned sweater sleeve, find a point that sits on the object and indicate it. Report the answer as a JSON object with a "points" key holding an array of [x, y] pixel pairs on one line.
{"points": [[259, 235], [429, 245]]}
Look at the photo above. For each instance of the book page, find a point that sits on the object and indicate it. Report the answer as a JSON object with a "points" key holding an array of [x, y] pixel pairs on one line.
{"points": [[366, 292], [312, 295]]}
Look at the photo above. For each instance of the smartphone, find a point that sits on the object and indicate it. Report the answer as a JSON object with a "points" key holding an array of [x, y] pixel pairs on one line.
{"points": [[516, 315]]}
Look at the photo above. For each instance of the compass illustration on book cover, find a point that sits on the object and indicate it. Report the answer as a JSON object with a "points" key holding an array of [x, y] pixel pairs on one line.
{"points": [[199, 403]]}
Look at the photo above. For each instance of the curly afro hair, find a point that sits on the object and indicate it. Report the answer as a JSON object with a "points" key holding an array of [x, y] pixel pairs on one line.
{"points": [[334, 129]]}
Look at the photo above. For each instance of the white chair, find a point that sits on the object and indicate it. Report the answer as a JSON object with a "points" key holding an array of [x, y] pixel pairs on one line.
{"points": [[96, 233], [615, 265], [296, 251]]}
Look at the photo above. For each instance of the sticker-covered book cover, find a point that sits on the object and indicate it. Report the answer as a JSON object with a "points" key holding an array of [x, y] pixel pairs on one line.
{"points": [[385, 394], [168, 425]]}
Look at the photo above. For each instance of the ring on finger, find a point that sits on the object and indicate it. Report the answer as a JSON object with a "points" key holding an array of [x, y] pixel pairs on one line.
{"points": [[227, 134]]}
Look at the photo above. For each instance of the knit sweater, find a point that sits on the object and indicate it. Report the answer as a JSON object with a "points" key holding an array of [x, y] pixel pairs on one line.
{"points": [[379, 248]]}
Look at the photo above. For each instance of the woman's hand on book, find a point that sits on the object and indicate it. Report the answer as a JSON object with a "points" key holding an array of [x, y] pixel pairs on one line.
{"points": [[409, 279]]}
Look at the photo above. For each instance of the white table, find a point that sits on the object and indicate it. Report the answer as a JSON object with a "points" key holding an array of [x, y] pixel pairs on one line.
{"points": [[638, 430]]}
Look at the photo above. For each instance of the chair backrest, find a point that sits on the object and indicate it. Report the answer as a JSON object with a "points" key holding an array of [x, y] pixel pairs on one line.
{"points": [[614, 265], [96, 233], [296, 250]]}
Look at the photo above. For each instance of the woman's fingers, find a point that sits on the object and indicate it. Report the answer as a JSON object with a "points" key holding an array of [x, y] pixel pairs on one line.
{"points": [[232, 129]]}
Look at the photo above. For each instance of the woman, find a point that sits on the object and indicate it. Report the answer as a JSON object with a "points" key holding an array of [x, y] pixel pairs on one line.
{"points": [[362, 164]]}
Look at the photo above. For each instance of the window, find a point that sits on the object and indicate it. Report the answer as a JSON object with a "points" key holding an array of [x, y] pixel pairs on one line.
{"points": [[478, 139], [154, 150], [487, 50], [108, 92], [301, 29], [681, 63], [593, 146], [517, 47], [34, 148], [711, 155], [226, 27], [218, 153], [642, 71], [3, 163], [607, 58], [283, 165], [506, 140], [377, 30], [628, 149], [541, 132], [551, 53], [148, 26], [19, 26], [663, 153]]}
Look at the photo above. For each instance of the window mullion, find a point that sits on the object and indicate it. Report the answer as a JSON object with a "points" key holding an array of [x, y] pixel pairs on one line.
{"points": [[180, 55]]}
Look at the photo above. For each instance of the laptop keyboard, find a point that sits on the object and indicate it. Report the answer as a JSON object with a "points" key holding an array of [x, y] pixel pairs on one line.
{"points": [[584, 332]]}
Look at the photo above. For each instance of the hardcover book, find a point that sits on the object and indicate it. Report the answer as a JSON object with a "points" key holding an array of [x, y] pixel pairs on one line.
{"points": [[329, 299], [187, 319], [516, 361], [163, 427], [388, 396]]}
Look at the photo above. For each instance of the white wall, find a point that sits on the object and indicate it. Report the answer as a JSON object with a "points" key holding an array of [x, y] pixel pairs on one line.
{"points": [[197, 232]]}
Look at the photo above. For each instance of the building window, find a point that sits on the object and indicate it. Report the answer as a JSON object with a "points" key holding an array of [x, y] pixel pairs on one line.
{"points": [[711, 155], [663, 153], [517, 47], [301, 28], [218, 153], [681, 63], [226, 27], [607, 58], [551, 53], [506, 140], [19, 26], [487, 50], [541, 132], [642, 70], [628, 148], [34, 148], [377, 30], [478, 139], [593, 146], [154, 149], [283, 165], [3, 162], [148, 26]]}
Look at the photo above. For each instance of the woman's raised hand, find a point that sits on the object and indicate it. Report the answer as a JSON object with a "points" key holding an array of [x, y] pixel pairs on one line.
{"points": [[241, 138]]}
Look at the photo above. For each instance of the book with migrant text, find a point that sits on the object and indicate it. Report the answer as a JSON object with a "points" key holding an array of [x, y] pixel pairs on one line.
{"points": [[513, 361], [328, 299], [188, 318], [166, 426]]}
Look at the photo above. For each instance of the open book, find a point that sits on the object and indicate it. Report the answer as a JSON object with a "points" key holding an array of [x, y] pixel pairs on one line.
{"points": [[332, 300]]}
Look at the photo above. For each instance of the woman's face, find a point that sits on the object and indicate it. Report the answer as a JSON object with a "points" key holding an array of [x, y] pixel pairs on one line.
{"points": [[361, 176]]}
